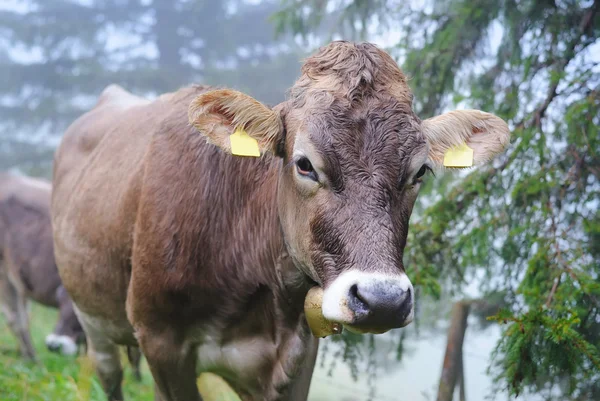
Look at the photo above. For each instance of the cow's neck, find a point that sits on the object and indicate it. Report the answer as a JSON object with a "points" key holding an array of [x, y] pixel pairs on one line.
{"points": [[294, 284]]}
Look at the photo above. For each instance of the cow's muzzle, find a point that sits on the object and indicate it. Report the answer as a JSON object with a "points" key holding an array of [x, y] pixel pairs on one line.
{"points": [[369, 302], [61, 344]]}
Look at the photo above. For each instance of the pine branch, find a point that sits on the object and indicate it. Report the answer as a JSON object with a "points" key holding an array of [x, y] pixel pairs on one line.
{"points": [[536, 116]]}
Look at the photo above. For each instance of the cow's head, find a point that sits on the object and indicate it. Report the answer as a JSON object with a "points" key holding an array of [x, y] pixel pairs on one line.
{"points": [[354, 155], [68, 333]]}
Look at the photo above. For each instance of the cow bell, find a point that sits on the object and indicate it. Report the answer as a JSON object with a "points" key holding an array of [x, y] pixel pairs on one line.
{"points": [[319, 326]]}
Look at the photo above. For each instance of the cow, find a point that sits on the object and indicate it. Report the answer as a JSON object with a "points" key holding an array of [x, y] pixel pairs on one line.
{"points": [[167, 238], [27, 268]]}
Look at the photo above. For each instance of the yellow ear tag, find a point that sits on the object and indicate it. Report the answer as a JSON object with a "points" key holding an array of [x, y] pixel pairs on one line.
{"points": [[459, 156], [243, 144]]}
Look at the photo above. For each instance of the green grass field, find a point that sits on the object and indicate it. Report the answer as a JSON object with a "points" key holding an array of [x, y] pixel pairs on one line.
{"points": [[56, 377]]}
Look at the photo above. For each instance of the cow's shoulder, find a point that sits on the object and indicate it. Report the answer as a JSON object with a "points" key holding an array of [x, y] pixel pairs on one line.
{"points": [[113, 114], [100, 164], [118, 116], [86, 132]]}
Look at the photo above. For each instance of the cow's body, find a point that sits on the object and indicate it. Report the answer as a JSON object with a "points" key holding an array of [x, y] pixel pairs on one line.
{"points": [[225, 288], [204, 259], [27, 268]]}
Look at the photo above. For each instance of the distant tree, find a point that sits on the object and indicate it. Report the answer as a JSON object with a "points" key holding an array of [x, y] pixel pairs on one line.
{"points": [[56, 56], [527, 227]]}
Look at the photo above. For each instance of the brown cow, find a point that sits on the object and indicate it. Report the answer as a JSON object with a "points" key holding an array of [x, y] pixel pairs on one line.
{"points": [[28, 270], [27, 267], [204, 259]]}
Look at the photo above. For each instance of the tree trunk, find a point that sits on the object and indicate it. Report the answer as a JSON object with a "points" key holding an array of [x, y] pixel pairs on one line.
{"points": [[452, 368], [461, 380], [168, 43]]}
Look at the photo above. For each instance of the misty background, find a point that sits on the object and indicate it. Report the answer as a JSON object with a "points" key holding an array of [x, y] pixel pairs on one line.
{"points": [[57, 56]]}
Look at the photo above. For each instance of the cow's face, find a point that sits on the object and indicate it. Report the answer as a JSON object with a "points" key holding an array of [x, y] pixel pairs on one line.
{"points": [[68, 333], [354, 155], [351, 176]]}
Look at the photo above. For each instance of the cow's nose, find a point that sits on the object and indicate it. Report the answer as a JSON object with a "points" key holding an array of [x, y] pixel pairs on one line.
{"points": [[380, 304], [54, 347], [61, 343], [371, 302]]}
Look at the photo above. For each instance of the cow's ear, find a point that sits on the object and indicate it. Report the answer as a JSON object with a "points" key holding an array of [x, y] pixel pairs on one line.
{"points": [[484, 133], [220, 113]]}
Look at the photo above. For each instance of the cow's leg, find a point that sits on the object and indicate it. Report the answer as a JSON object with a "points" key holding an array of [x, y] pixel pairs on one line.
{"points": [[298, 390], [172, 363], [107, 361], [14, 308], [157, 396], [25, 335], [135, 356], [67, 331]]}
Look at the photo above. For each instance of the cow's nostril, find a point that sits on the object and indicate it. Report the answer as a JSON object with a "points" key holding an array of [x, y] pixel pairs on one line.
{"points": [[358, 302], [354, 290], [53, 346]]}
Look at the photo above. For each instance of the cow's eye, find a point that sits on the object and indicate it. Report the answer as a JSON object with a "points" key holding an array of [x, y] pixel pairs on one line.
{"points": [[305, 169], [422, 171]]}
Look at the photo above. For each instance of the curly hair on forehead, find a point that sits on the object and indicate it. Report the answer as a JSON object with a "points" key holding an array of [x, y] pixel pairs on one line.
{"points": [[351, 71]]}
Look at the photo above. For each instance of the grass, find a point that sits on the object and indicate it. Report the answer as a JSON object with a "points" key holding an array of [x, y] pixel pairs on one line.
{"points": [[57, 377]]}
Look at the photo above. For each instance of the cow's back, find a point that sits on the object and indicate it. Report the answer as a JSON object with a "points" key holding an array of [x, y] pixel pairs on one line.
{"points": [[83, 137], [31, 191]]}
